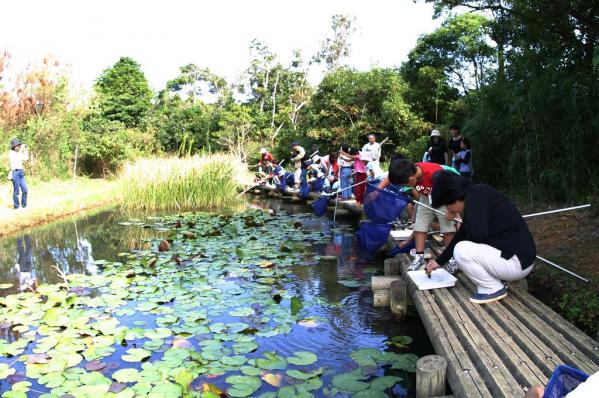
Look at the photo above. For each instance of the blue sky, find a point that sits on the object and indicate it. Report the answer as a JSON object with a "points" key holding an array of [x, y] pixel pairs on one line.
{"points": [[90, 35]]}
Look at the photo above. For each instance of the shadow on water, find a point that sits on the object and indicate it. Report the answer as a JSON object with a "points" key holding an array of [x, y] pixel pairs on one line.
{"points": [[349, 323]]}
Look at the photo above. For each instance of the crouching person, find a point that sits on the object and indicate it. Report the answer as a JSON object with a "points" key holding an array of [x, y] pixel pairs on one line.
{"points": [[493, 244]]}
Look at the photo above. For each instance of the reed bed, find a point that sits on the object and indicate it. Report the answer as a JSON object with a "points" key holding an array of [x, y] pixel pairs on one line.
{"points": [[207, 182]]}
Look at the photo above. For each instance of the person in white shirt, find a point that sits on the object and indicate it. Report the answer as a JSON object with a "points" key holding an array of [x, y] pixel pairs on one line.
{"points": [[16, 156], [373, 148]]}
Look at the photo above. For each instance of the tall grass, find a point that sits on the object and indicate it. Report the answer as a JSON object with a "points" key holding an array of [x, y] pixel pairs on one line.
{"points": [[207, 182]]}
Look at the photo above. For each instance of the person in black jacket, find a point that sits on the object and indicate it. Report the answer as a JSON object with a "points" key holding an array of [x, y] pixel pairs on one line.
{"points": [[493, 243]]}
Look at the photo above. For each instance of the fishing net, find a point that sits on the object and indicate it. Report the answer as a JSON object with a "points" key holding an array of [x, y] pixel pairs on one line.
{"points": [[320, 205], [383, 206], [304, 189], [372, 236], [563, 380], [318, 184]]}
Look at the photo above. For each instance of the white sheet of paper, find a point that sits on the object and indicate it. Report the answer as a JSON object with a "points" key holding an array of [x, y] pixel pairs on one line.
{"points": [[439, 278]]}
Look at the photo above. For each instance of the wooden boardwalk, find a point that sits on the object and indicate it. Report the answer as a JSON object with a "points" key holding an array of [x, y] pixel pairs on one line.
{"points": [[498, 349]]}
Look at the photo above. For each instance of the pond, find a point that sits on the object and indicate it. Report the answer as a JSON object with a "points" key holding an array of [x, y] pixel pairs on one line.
{"points": [[251, 304]]}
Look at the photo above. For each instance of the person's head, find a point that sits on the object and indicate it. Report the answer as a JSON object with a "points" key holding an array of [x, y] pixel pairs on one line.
{"points": [[294, 144], [403, 172], [354, 151], [263, 151], [345, 148], [396, 156], [371, 138], [454, 129], [465, 144], [15, 144], [435, 136], [449, 189], [332, 158]]}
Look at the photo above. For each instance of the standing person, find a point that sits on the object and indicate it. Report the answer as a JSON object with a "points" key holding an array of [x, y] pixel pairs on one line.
{"points": [[373, 148], [464, 159], [17, 155], [297, 157], [437, 150], [420, 176], [455, 144], [346, 163], [493, 244], [359, 174]]}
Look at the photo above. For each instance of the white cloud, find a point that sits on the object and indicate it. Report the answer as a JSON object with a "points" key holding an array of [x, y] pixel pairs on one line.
{"points": [[91, 35]]}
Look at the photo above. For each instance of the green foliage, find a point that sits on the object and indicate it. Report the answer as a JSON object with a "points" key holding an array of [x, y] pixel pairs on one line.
{"points": [[123, 93]]}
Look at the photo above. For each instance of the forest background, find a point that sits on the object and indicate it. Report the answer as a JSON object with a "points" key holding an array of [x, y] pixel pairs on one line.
{"points": [[520, 78]]}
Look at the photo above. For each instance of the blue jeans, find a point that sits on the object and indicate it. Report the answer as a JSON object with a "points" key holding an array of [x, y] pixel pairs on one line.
{"points": [[345, 181], [18, 183]]}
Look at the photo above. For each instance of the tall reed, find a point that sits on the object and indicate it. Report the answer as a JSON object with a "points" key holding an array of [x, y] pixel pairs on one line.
{"points": [[207, 182]]}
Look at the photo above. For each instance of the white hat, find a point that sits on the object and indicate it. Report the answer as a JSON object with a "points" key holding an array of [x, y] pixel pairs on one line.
{"points": [[263, 151], [435, 133]]}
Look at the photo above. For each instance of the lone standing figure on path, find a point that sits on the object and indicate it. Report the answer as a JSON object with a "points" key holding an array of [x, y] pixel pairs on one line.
{"points": [[17, 155]]}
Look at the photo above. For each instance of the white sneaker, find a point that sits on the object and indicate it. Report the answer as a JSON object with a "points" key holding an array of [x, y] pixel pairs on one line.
{"points": [[417, 263], [452, 266]]}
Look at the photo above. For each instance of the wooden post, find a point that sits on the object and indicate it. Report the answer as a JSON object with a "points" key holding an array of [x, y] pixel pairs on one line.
{"points": [[380, 298], [382, 282], [391, 266], [398, 298], [430, 376]]}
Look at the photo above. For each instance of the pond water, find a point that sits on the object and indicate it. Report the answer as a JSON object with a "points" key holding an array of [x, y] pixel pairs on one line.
{"points": [[253, 304]]}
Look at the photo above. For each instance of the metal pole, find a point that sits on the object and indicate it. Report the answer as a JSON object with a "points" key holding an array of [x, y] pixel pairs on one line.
{"points": [[538, 257], [556, 211], [563, 269]]}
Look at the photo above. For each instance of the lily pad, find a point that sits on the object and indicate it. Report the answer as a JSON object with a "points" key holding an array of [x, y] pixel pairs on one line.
{"points": [[243, 386], [126, 375], [299, 375], [136, 355], [302, 358], [351, 382]]}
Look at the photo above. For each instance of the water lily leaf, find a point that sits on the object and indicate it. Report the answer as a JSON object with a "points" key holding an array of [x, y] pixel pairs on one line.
{"points": [[274, 379], [160, 333], [405, 362], [242, 386], [56, 317], [126, 375], [400, 341], [242, 312], [94, 378], [311, 384], [365, 356], [236, 360], [351, 382], [384, 382], [296, 305], [183, 378], [245, 347], [302, 358], [297, 374], [95, 365], [182, 343], [166, 390], [370, 393], [250, 371], [37, 358], [271, 362], [293, 392], [211, 388], [136, 355]]}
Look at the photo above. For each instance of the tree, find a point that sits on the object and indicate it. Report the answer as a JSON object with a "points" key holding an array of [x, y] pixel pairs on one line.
{"points": [[334, 49], [123, 93], [235, 127]]}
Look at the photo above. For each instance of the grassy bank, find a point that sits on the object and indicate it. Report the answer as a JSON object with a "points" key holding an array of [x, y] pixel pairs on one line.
{"points": [[50, 200], [207, 182]]}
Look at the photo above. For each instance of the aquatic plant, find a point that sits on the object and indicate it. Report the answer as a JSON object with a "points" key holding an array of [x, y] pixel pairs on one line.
{"points": [[206, 182], [192, 320]]}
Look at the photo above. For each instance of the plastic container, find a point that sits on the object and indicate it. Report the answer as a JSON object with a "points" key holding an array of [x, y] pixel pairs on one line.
{"points": [[563, 380]]}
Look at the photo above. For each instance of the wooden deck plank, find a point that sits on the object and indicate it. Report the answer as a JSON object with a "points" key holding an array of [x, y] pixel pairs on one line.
{"points": [[463, 376], [522, 367]]}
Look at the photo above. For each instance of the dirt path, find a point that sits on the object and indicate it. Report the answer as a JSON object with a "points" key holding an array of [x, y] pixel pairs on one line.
{"points": [[51, 200]]}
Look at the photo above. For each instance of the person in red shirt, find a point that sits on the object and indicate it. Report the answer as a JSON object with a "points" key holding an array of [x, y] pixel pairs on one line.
{"points": [[420, 176]]}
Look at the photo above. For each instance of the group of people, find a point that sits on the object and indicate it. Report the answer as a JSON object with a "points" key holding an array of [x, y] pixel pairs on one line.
{"points": [[458, 147], [346, 171]]}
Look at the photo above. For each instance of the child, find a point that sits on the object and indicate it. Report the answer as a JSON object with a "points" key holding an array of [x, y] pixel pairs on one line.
{"points": [[493, 244], [345, 163], [420, 177], [359, 175], [464, 159]]}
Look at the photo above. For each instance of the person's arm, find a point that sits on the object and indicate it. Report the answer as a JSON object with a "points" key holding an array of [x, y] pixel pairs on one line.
{"points": [[446, 158], [466, 157], [385, 183], [448, 252], [302, 153]]}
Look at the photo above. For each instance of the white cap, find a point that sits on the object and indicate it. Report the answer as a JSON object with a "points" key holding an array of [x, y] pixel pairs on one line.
{"points": [[263, 151], [435, 133]]}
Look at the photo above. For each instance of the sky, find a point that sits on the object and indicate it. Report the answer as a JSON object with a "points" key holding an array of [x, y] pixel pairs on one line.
{"points": [[91, 35]]}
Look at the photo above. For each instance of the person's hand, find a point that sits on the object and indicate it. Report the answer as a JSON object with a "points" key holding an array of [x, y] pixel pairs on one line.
{"points": [[403, 243], [432, 265]]}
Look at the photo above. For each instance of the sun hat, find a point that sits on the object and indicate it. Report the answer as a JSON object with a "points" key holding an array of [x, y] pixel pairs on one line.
{"points": [[262, 151], [435, 133], [15, 142], [294, 143]]}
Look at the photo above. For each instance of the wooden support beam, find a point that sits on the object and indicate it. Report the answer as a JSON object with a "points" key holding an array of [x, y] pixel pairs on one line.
{"points": [[391, 267], [383, 282], [430, 376], [380, 298], [398, 298]]}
